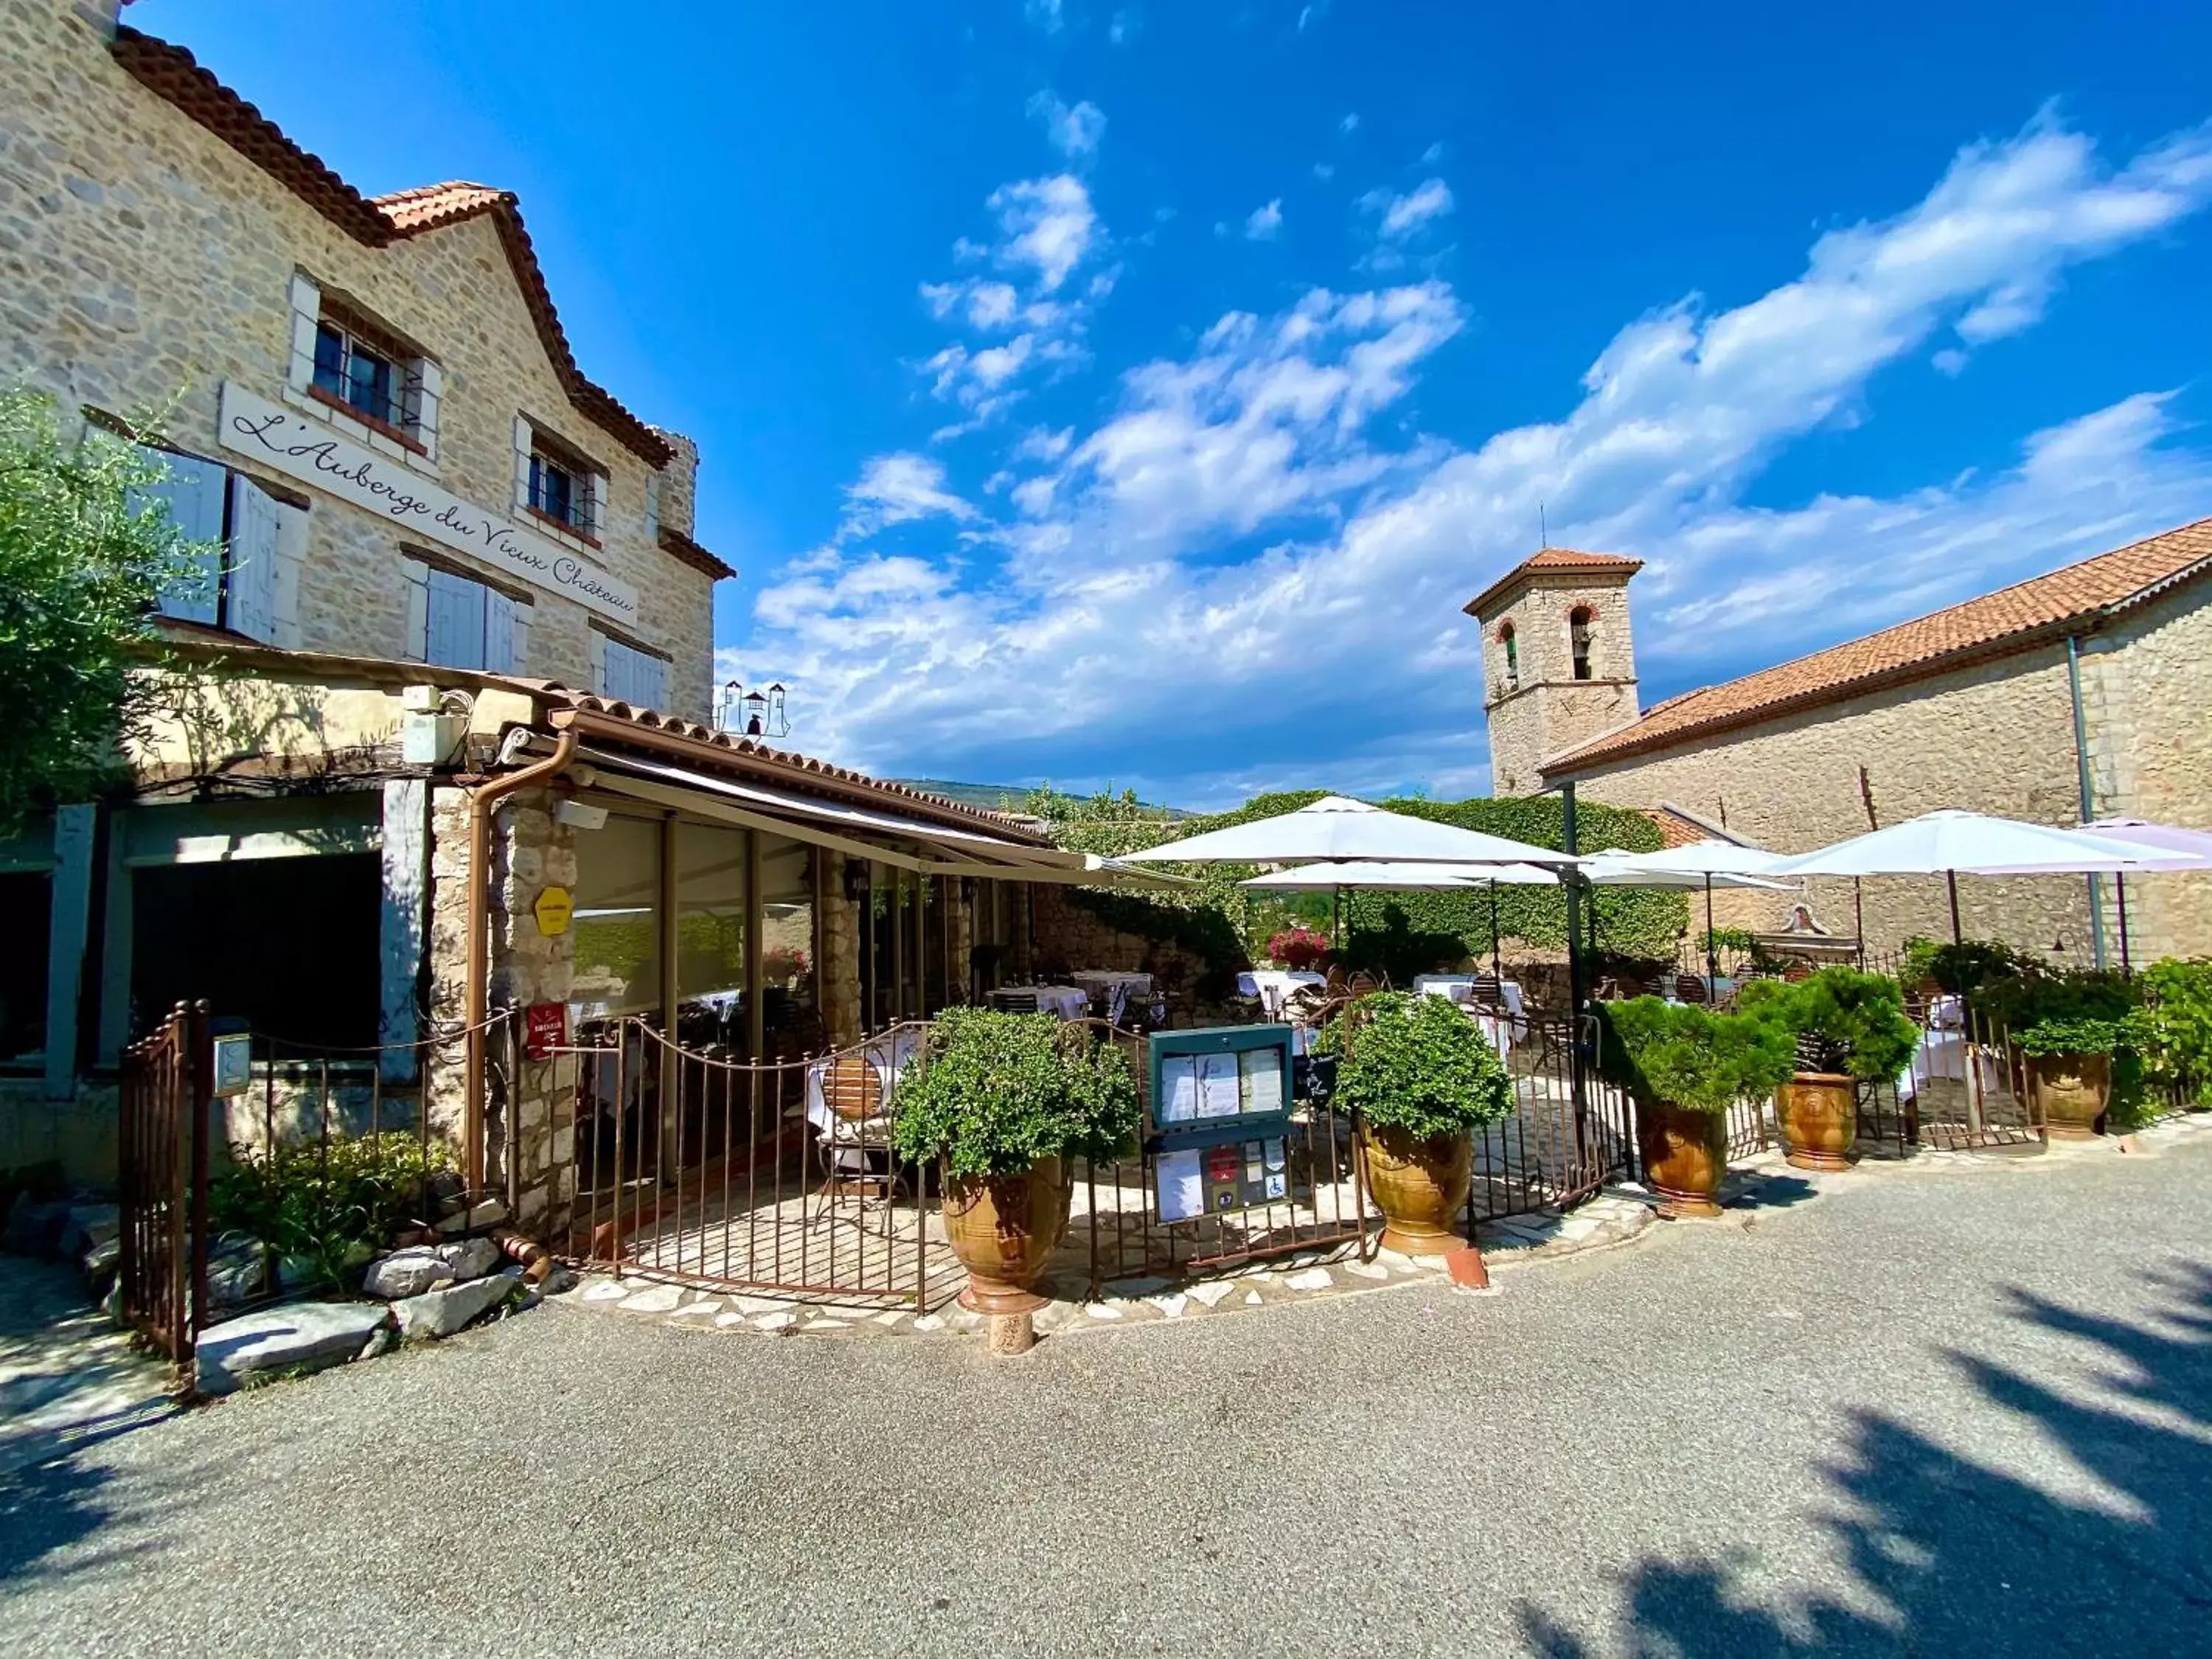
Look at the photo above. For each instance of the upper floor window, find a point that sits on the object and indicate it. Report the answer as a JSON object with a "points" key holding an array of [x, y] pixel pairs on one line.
{"points": [[457, 622], [246, 544], [558, 484], [362, 372], [626, 674], [1512, 656], [1578, 639]]}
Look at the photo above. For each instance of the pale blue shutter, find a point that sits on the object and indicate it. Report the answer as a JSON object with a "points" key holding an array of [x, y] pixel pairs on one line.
{"points": [[251, 585], [457, 622], [193, 492], [499, 633], [636, 678]]}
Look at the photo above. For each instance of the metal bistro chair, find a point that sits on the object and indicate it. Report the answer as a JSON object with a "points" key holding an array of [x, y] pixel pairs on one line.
{"points": [[1692, 988], [858, 1137], [1014, 1002]]}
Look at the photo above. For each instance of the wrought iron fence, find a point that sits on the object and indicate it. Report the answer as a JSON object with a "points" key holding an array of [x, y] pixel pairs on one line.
{"points": [[1570, 1133], [163, 1168]]}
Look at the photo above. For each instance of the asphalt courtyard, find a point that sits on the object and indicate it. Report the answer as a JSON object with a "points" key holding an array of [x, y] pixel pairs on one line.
{"points": [[1957, 1409]]}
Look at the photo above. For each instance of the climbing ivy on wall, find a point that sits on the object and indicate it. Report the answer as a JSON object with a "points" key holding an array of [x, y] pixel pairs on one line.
{"points": [[1402, 933]]}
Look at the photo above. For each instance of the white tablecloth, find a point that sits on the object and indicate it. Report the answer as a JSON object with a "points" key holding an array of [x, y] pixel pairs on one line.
{"points": [[1460, 987], [1118, 987], [1271, 985], [889, 1054], [1068, 1001], [1941, 1055]]}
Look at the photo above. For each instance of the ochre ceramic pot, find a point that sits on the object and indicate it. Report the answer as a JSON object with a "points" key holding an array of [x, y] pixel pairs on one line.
{"points": [[2070, 1091], [1820, 1119], [1421, 1185], [1003, 1229], [1684, 1153]]}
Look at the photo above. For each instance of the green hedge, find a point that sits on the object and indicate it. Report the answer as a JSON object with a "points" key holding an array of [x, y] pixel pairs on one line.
{"points": [[1401, 933]]}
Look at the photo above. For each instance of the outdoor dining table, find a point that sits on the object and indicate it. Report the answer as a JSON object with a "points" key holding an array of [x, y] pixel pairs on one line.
{"points": [[1460, 987], [1273, 985], [1064, 1001], [1941, 1054], [1117, 987]]}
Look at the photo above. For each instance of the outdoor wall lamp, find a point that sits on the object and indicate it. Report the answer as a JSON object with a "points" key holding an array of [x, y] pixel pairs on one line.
{"points": [[856, 880]]}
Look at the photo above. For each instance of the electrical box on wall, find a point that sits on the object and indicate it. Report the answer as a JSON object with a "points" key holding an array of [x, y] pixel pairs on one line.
{"points": [[433, 740]]}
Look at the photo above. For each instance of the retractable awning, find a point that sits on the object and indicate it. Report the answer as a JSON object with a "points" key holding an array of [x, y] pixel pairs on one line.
{"points": [[890, 837]]}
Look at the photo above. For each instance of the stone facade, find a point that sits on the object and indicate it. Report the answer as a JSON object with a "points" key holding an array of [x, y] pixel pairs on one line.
{"points": [[1996, 736], [1536, 706], [144, 262]]}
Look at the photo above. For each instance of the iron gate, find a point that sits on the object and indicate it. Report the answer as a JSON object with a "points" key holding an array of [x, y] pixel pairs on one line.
{"points": [[162, 1166]]}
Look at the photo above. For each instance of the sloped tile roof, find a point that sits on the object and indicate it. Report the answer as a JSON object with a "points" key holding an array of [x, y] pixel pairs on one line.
{"points": [[676, 544], [174, 74], [1674, 830], [2046, 606], [1553, 558]]}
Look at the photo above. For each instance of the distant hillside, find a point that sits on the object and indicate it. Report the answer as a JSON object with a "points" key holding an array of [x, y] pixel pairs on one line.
{"points": [[1000, 797]]}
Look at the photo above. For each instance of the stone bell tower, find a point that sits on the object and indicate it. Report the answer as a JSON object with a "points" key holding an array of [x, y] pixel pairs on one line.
{"points": [[1559, 662]]}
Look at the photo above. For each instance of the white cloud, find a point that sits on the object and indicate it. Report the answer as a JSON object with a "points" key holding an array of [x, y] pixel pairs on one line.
{"points": [[1046, 14], [1247, 519], [1123, 26], [1350, 123], [1264, 223], [1041, 445], [896, 488], [1075, 131], [1311, 14], [1433, 153], [986, 305], [1323, 172], [1401, 215], [1048, 225]]}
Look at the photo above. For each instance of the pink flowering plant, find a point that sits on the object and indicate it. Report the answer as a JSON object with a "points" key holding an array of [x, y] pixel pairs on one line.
{"points": [[1301, 947]]}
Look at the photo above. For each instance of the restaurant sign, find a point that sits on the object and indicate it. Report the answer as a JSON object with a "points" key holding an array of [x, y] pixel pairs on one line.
{"points": [[315, 455]]}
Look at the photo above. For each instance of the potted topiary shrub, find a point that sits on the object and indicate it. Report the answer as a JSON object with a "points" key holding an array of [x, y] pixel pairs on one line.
{"points": [[1684, 1067], [2068, 1029], [1419, 1075], [1003, 1102], [1846, 1027]]}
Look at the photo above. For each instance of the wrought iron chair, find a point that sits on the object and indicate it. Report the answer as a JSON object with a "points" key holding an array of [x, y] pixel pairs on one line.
{"points": [[1692, 988], [858, 1137]]}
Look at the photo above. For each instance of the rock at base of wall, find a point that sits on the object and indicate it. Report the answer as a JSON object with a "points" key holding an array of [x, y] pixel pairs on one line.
{"points": [[421, 1268], [440, 1313], [305, 1336]]}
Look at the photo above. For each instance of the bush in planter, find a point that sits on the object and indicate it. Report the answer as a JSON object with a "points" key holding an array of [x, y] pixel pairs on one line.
{"points": [[1420, 1075], [1961, 969], [1841, 1022], [1418, 1064], [1674, 1054], [994, 1092]]}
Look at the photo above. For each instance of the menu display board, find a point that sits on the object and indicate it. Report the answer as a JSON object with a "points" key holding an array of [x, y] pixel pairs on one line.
{"points": [[1221, 1103]]}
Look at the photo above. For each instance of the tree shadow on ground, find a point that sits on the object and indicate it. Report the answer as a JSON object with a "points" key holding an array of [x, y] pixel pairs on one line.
{"points": [[1954, 1556], [1755, 1190], [54, 1505]]}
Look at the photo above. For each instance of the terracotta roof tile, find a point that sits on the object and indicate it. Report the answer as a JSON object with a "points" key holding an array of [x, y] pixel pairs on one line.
{"points": [[2008, 619], [1553, 558], [169, 71], [681, 546]]}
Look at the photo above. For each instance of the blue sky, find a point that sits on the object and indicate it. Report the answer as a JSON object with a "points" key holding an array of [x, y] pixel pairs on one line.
{"points": [[1132, 394]]}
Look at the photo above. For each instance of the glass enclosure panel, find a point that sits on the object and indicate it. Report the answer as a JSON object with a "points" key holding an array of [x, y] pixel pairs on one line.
{"points": [[617, 921], [929, 914], [787, 938], [710, 936], [27, 900]]}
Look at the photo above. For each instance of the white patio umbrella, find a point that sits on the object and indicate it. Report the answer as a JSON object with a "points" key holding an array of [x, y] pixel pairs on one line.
{"points": [[1700, 864], [1952, 843], [1374, 877], [1340, 830], [2185, 849]]}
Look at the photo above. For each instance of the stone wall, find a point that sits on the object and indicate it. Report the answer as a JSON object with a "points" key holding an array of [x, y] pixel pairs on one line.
{"points": [[144, 262], [1069, 935], [1996, 737], [838, 982]]}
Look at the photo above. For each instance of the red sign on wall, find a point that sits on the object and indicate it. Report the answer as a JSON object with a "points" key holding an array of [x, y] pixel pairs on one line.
{"points": [[545, 1027]]}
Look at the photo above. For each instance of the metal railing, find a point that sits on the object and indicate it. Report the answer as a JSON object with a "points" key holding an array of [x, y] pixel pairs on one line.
{"points": [[162, 1158]]}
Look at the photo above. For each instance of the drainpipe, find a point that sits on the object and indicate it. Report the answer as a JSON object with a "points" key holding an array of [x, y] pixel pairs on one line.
{"points": [[482, 800], [2087, 795]]}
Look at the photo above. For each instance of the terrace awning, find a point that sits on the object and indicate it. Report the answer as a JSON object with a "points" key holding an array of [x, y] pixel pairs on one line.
{"points": [[910, 843]]}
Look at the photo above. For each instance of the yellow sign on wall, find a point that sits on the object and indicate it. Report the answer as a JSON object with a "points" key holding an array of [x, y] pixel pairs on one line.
{"points": [[554, 908]]}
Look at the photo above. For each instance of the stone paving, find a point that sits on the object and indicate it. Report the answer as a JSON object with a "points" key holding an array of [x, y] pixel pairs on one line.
{"points": [[68, 1374]]}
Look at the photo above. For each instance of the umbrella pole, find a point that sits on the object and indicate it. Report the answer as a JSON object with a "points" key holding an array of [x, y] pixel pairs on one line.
{"points": [[1952, 878], [1713, 949], [1496, 963], [1858, 919], [2120, 889]]}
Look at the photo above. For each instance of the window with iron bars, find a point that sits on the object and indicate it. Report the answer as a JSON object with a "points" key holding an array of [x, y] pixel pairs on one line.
{"points": [[564, 490], [373, 376]]}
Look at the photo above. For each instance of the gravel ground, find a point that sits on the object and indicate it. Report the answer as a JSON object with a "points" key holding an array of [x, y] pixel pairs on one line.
{"points": [[1962, 1408]]}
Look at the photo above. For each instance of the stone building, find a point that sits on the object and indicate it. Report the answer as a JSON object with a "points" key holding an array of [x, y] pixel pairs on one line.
{"points": [[2084, 693], [437, 745]]}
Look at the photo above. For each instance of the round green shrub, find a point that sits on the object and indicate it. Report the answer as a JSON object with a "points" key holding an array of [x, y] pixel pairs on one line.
{"points": [[1419, 1064], [1676, 1055], [991, 1093], [2070, 1037], [1840, 1021]]}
